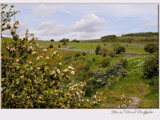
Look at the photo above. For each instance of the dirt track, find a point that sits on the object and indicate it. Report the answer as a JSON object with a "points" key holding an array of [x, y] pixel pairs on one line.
{"points": [[77, 50], [93, 52]]}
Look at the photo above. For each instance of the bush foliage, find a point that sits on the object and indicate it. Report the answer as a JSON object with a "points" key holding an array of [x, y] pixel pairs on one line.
{"points": [[97, 50], [150, 66], [151, 48]]}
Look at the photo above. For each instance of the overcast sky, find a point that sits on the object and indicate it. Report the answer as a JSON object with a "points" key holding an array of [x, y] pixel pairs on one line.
{"points": [[85, 21]]}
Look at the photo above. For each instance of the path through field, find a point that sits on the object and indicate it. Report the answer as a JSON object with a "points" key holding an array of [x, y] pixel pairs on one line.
{"points": [[93, 52], [135, 102], [77, 50]]}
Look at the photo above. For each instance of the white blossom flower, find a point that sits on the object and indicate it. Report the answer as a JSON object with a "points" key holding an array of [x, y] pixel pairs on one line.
{"points": [[17, 60], [54, 53], [66, 70], [72, 72], [44, 50], [70, 67], [37, 58], [12, 49], [21, 77], [53, 72], [33, 53], [58, 70]]}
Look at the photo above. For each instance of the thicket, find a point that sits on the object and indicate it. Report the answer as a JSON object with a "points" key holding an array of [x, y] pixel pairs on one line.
{"points": [[97, 50], [109, 38], [117, 48], [151, 48], [151, 65], [107, 76]]}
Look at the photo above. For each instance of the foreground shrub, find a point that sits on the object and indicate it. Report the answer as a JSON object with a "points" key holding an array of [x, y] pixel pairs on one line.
{"points": [[106, 77], [104, 52], [105, 62], [151, 48], [111, 53], [97, 50], [117, 48], [150, 66], [84, 53], [77, 55]]}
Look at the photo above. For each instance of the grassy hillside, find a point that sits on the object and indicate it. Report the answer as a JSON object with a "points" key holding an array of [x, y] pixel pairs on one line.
{"points": [[133, 86]]}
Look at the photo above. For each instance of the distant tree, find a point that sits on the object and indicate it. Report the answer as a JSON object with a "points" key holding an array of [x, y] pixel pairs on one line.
{"points": [[109, 38], [50, 46], [64, 43], [151, 48], [97, 50], [59, 46], [129, 40], [67, 40], [52, 40], [75, 41], [64, 40]]}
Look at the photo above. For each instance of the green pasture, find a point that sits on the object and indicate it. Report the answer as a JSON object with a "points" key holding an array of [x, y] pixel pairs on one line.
{"points": [[133, 85]]}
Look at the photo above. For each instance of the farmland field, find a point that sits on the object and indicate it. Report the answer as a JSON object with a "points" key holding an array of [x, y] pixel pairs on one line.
{"points": [[77, 59], [132, 86]]}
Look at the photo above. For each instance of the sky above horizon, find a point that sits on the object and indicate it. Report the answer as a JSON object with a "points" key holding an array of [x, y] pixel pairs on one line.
{"points": [[85, 21]]}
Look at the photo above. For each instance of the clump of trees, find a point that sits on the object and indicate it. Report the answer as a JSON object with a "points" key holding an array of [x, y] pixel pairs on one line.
{"points": [[145, 34], [150, 66], [106, 76], [109, 38], [151, 48], [64, 40], [75, 41], [117, 48]]}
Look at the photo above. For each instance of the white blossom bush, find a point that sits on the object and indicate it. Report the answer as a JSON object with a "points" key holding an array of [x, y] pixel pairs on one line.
{"points": [[30, 81]]}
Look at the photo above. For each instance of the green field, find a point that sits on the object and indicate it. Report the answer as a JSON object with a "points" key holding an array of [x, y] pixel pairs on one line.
{"points": [[131, 86], [130, 48]]}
